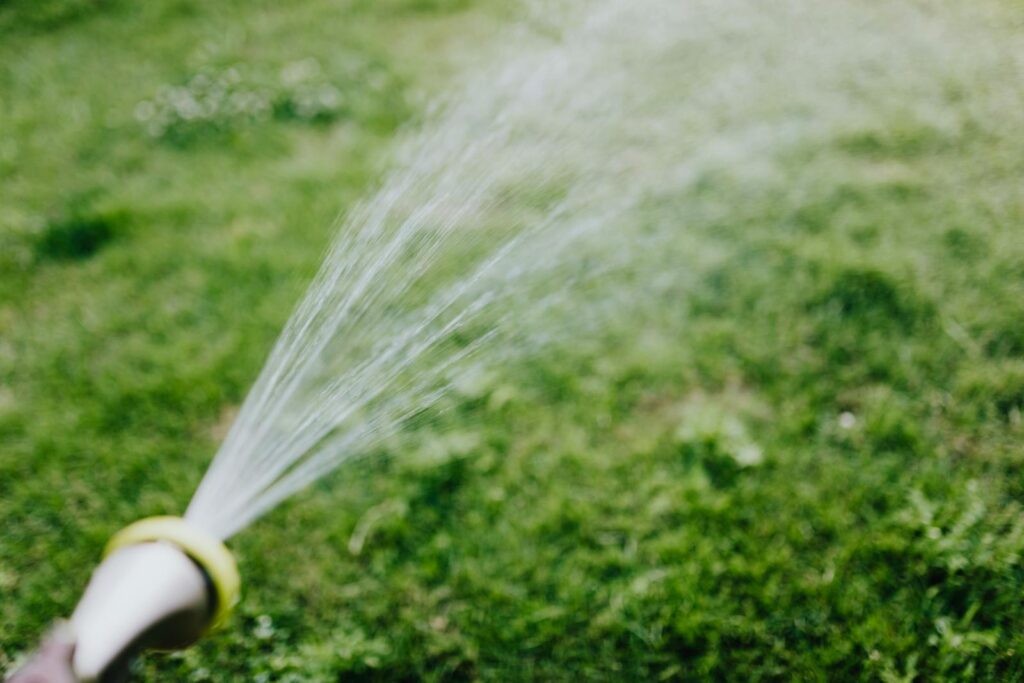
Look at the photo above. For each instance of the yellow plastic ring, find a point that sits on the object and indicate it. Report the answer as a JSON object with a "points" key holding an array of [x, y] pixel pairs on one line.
{"points": [[205, 550]]}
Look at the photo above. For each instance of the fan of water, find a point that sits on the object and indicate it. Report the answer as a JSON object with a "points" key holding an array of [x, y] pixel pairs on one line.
{"points": [[528, 182]]}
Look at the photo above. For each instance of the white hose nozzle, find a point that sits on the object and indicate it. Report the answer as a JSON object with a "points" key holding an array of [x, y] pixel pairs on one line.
{"points": [[162, 585]]}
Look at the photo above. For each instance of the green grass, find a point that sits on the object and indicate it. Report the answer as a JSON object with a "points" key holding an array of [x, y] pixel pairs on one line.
{"points": [[597, 513]]}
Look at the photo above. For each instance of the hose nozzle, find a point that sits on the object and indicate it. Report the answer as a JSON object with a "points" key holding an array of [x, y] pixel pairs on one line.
{"points": [[162, 584]]}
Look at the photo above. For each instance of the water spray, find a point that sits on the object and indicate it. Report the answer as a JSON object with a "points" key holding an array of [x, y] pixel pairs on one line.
{"points": [[163, 584], [468, 224]]}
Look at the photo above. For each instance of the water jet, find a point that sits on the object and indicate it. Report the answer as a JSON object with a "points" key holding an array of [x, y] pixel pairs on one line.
{"points": [[463, 252]]}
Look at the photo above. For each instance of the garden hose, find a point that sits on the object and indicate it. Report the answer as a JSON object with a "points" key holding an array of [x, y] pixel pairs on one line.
{"points": [[162, 584]]}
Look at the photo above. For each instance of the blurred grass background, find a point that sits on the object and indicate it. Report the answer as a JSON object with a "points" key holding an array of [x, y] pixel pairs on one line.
{"points": [[806, 467]]}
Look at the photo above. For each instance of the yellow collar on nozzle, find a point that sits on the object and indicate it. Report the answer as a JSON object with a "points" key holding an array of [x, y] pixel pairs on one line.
{"points": [[205, 550]]}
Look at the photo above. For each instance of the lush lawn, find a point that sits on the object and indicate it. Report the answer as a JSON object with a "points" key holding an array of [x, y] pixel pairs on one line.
{"points": [[806, 466]]}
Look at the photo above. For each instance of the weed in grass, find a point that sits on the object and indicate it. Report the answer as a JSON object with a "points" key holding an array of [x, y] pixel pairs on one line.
{"points": [[78, 236]]}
